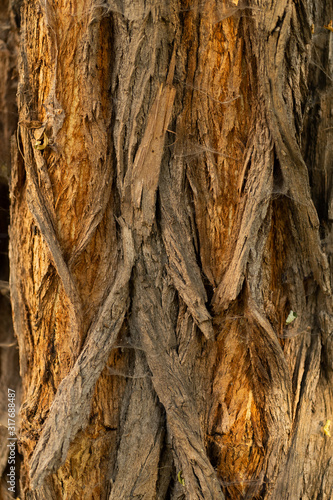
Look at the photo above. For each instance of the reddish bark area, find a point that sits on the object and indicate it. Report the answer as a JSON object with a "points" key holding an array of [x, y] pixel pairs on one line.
{"points": [[179, 213]]}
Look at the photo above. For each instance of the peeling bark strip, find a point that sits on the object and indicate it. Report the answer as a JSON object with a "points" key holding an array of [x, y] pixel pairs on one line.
{"points": [[252, 214], [159, 243], [294, 171], [152, 308], [138, 460], [42, 209], [182, 263], [146, 166], [71, 407]]}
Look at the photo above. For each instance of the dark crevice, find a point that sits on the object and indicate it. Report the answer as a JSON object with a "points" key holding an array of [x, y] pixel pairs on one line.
{"points": [[278, 180]]}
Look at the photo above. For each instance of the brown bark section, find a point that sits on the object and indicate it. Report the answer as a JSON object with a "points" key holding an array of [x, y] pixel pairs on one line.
{"points": [[64, 268], [159, 242]]}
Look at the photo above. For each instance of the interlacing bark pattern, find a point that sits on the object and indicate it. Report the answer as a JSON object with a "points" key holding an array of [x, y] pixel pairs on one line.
{"points": [[165, 234]]}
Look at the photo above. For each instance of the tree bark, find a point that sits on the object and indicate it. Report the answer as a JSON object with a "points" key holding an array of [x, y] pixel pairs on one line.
{"points": [[171, 213]]}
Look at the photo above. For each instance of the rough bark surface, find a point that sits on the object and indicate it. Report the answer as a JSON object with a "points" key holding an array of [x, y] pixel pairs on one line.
{"points": [[181, 208]]}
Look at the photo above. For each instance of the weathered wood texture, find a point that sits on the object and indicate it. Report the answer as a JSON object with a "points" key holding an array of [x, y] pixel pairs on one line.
{"points": [[182, 209]]}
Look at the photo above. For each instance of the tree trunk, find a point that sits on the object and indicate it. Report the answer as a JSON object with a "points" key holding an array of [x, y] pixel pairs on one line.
{"points": [[171, 215]]}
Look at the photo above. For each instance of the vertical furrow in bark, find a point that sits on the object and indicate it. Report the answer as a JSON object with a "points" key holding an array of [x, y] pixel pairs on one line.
{"points": [[138, 457]]}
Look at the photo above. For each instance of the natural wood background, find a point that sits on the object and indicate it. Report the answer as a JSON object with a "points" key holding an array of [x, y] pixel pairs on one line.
{"points": [[181, 210]]}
